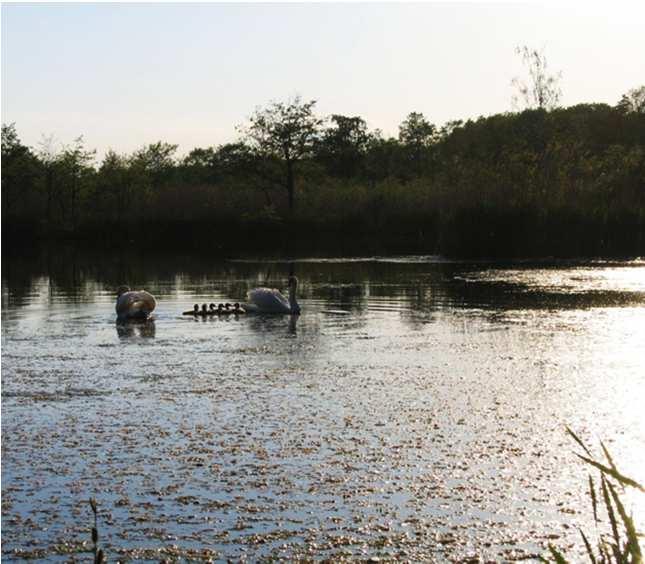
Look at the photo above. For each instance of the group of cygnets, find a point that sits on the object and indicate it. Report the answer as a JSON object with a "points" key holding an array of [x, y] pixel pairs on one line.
{"points": [[212, 309], [139, 304]]}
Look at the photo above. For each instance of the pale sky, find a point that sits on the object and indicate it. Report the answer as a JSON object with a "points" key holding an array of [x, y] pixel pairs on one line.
{"points": [[125, 75]]}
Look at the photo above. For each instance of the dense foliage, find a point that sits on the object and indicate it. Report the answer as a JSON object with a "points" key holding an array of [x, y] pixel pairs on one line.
{"points": [[565, 182]]}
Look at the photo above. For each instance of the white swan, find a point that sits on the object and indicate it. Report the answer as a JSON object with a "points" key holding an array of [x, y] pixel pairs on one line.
{"points": [[134, 304], [270, 300]]}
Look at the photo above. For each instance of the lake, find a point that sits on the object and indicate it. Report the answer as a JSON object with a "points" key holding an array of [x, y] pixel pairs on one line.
{"points": [[416, 410]]}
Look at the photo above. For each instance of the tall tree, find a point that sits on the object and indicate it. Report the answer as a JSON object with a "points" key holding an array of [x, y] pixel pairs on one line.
{"points": [[151, 168], [341, 147], [542, 89], [76, 164], [416, 134], [285, 131], [384, 159], [244, 165], [49, 156], [633, 101], [20, 169], [157, 161], [200, 166], [115, 184]]}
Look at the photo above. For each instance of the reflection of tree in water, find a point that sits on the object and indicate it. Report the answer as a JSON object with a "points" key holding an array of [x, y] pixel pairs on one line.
{"points": [[347, 296], [22, 275], [293, 322], [417, 289], [79, 273], [72, 273], [421, 303], [136, 329]]}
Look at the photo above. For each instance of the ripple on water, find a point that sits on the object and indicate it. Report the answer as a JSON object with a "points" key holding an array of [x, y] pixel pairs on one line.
{"points": [[426, 423]]}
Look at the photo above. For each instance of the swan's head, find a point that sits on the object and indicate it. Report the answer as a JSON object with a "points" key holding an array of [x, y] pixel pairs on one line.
{"points": [[204, 308], [122, 290], [196, 308], [212, 307], [220, 307]]}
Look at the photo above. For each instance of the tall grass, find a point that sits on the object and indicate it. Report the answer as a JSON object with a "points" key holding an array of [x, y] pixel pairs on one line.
{"points": [[99, 555], [621, 544]]}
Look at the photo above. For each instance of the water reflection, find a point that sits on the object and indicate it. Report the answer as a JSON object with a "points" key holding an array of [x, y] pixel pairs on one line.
{"points": [[277, 324], [293, 322], [411, 398], [407, 287], [136, 328]]}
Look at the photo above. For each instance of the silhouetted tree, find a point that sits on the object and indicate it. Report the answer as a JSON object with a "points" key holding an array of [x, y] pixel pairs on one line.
{"points": [[235, 158], [341, 148], [49, 156], [633, 101], [384, 159], [284, 131], [240, 164], [416, 134], [75, 164], [115, 185], [152, 168], [565, 182], [200, 166], [20, 171], [543, 89], [449, 127], [157, 161]]}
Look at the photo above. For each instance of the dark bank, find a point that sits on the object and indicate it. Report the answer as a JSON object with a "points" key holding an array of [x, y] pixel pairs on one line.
{"points": [[569, 182]]}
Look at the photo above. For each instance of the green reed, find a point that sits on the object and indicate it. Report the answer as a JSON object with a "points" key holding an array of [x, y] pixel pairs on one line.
{"points": [[99, 555], [621, 544]]}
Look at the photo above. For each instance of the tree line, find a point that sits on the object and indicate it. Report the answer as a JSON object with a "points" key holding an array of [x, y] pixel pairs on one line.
{"points": [[543, 181]]}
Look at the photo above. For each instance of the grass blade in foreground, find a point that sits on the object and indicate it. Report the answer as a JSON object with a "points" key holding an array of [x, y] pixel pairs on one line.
{"points": [[625, 548]]}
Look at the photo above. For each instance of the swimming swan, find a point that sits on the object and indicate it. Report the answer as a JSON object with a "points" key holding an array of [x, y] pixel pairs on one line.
{"points": [[270, 300], [137, 304]]}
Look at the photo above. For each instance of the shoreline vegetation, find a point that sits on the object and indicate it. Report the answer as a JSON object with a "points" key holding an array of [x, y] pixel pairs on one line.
{"points": [[557, 182]]}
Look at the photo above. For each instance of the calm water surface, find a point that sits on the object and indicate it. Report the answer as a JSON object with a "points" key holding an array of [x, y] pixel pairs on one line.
{"points": [[414, 411]]}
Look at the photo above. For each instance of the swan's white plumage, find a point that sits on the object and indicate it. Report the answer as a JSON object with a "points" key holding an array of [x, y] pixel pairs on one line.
{"points": [[135, 304], [270, 300]]}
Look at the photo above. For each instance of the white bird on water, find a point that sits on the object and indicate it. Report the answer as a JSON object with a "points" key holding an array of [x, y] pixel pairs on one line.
{"points": [[270, 300], [137, 304]]}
